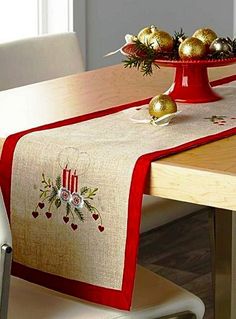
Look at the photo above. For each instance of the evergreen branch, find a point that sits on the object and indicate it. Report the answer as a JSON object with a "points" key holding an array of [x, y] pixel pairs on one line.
{"points": [[79, 214], [47, 183], [58, 182], [53, 194], [68, 209], [143, 58], [88, 206]]}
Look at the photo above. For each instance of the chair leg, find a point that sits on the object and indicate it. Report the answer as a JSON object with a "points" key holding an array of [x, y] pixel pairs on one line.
{"points": [[223, 244], [212, 237], [6, 258]]}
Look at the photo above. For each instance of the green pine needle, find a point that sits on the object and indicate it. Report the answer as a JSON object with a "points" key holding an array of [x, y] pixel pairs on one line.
{"points": [[79, 214], [58, 182]]}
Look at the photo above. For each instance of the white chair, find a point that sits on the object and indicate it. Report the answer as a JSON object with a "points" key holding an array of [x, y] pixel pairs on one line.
{"points": [[46, 57], [38, 59], [5, 259], [154, 297]]}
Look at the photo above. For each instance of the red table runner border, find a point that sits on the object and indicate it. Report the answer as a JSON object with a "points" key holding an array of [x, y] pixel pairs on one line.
{"points": [[120, 299]]}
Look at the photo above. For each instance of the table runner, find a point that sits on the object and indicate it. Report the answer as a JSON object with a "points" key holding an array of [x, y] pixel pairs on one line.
{"points": [[73, 191]]}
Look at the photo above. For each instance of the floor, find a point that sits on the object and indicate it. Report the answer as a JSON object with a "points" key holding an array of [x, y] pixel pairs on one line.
{"points": [[180, 251]]}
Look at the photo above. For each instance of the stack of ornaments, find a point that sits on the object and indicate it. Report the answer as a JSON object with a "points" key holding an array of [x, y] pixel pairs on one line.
{"points": [[152, 44], [204, 43]]}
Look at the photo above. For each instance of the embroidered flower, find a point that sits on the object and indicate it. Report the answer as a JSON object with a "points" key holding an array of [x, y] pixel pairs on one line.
{"points": [[77, 200], [64, 194]]}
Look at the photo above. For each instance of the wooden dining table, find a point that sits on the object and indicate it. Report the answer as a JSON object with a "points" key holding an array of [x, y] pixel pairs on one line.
{"points": [[204, 175]]}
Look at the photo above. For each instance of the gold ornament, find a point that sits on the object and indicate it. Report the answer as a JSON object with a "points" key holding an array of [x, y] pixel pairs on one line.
{"points": [[161, 105], [207, 36], [221, 45], [192, 49], [144, 34], [161, 41]]}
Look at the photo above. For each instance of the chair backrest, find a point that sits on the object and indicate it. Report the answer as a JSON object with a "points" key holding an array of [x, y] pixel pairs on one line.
{"points": [[38, 59], [5, 258]]}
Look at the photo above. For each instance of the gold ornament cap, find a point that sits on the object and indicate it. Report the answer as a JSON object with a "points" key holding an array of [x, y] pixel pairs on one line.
{"points": [[206, 35], [161, 105], [192, 49]]}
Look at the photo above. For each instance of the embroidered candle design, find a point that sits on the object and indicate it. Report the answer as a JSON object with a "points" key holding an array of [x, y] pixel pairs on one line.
{"points": [[64, 194], [74, 183], [66, 177]]}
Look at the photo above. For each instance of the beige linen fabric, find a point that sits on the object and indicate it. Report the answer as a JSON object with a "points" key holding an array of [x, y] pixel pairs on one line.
{"points": [[103, 151]]}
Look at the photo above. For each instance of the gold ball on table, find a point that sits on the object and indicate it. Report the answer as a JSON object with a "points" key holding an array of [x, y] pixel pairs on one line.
{"points": [[161, 105], [192, 49], [206, 35], [161, 40]]}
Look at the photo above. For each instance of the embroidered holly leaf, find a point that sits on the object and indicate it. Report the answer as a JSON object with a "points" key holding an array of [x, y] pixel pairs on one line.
{"points": [[58, 182], [43, 179], [57, 203], [79, 214], [84, 190], [46, 183], [91, 192], [94, 191]]}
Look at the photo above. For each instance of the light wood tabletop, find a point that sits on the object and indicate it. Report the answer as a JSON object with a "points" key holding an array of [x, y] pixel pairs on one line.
{"points": [[70, 96], [204, 175]]}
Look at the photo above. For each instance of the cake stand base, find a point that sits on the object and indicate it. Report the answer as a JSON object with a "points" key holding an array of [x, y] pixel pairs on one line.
{"points": [[191, 85]]}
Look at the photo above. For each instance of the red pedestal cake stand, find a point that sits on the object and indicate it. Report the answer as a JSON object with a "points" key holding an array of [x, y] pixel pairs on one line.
{"points": [[191, 83]]}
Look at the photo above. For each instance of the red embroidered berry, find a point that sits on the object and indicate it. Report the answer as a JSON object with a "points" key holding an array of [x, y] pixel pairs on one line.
{"points": [[95, 216], [35, 214], [41, 205], [101, 228], [66, 219], [48, 214], [74, 226]]}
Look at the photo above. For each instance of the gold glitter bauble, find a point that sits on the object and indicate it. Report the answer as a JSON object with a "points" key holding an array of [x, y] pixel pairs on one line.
{"points": [[161, 41], [162, 105], [207, 36], [144, 34], [192, 49]]}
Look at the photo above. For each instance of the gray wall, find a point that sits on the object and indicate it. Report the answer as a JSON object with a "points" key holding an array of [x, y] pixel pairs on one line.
{"points": [[107, 21]]}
